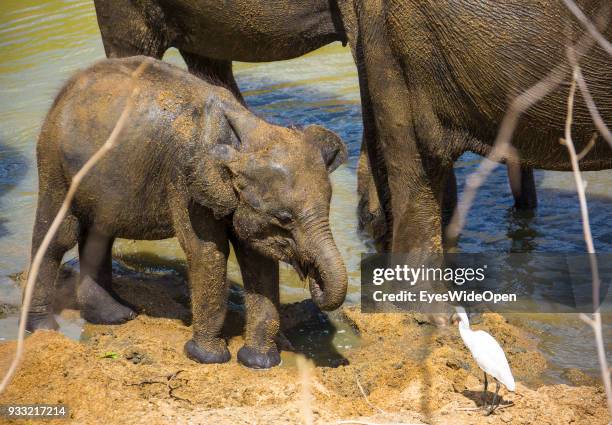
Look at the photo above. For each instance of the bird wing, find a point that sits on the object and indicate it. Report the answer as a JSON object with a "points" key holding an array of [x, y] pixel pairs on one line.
{"points": [[491, 358]]}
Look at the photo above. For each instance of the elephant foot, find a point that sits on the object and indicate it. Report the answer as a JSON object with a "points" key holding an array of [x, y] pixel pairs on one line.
{"points": [[41, 320], [120, 300], [219, 354], [254, 359], [99, 307]]}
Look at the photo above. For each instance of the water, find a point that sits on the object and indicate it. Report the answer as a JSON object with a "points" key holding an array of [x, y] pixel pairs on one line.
{"points": [[43, 42]]}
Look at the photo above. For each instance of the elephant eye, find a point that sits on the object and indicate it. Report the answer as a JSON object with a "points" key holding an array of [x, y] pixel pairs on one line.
{"points": [[283, 217]]}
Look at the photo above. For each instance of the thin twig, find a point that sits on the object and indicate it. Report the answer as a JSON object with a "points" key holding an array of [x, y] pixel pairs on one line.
{"points": [[594, 322], [567, 141], [59, 218], [600, 125], [586, 319], [366, 397], [320, 388], [588, 147], [588, 25]]}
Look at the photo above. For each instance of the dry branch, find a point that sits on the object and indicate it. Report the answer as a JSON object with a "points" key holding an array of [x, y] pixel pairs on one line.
{"points": [[595, 321], [588, 25], [366, 397], [600, 125], [59, 218]]}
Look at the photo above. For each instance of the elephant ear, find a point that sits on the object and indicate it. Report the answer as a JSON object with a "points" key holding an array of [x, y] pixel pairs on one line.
{"points": [[211, 183], [332, 148], [218, 163]]}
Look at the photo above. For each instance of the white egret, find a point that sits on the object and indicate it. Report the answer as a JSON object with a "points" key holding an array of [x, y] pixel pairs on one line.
{"points": [[489, 356]]}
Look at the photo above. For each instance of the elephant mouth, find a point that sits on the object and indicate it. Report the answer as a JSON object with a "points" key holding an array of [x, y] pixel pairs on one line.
{"points": [[315, 285], [300, 269], [311, 273]]}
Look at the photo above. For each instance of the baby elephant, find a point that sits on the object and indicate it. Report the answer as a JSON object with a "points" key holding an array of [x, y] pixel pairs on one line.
{"points": [[194, 163]]}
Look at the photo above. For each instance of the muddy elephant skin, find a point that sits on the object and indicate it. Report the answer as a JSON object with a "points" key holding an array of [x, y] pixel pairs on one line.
{"points": [[436, 80], [210, 34], [194, 163], [244, 30]]}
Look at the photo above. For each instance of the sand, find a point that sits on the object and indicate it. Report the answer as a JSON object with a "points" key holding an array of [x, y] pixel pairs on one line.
{"points": [[401, 369], [410, 371]]}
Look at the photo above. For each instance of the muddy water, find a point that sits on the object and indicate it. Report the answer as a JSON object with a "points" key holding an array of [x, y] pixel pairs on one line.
{"points": [[42, 42]]}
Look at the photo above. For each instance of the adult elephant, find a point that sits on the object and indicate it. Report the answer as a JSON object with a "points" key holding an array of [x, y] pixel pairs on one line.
{"points": [[437, 78]]}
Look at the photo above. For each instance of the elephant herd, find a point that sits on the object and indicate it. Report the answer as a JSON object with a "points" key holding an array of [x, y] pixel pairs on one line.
{"points": [[436, 79]]}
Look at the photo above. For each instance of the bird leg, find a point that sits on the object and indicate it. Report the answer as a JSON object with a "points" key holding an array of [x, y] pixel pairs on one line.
{"points": [[484, 394], [496, 399]]}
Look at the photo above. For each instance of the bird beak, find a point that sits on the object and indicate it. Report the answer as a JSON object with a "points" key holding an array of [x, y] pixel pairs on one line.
{"points": [[454, 318]]}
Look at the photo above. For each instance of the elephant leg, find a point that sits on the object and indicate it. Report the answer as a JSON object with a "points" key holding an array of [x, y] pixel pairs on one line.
{"points": [[364, 176], [373, 210], [261, 279], [214, 70], [128, 30], [411, 217], [411, 196], [417, 210], [385, 111], [371, 217], [449, 203], [522, 184], [369, 211], [97, 301], [374, 169], [40, 313], [104, 274], [204, 241]]}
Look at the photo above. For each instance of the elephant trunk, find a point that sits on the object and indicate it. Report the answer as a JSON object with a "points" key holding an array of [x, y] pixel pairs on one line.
{"points": [[326, 272]]}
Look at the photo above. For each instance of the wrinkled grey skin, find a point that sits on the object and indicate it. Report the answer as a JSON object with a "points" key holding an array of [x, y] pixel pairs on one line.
{"points": [[436, 78], [194, 163], [210, 34]]}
